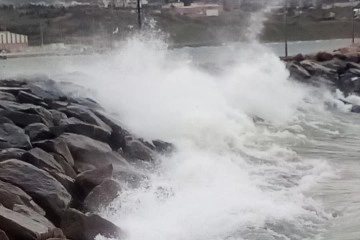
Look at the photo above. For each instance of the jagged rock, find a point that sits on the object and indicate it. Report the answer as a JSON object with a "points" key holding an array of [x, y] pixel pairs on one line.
{"points": [[318, 70], [25, 97], [33, 215], [11, 153], [42, 160], [66, 181], [136, 150], [7, 96], [128, 175], [14, 136], [32, 113], [40, 185], [79, 226], [56, 146], [3, 235], [48, 90], [163, 147], [323, 56], [85, 115], [57, 116], [88, 153], [298, 72], [102, 195], [74, 125], [38, 131], [118, 134], [336, 64], [58, 104], [87, 180], [11, 196], [17, 226], [355, 109]]}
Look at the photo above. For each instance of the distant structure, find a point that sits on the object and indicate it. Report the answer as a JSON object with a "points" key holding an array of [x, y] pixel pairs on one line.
{"points": [[127, 3], [195, 9], [13, 42]]}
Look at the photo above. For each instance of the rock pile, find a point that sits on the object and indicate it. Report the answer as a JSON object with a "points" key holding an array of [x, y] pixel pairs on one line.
{"points": [[61, 159], [339, 69]]}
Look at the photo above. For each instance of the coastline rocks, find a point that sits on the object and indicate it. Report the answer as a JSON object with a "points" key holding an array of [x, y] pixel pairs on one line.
{"points": [[7, 96], [56, 146], [3, 235], [40, 185], [38, 131], [79, 226], [41, 159], [136, 150]]}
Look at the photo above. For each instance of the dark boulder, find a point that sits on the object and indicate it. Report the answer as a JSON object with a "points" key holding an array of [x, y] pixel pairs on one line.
{"points": [[7, 96], [79, 226], [58, 146], [21, 119], [42, 160], [136, 150], [46, 89], [12, 196], [18, 226], [355, 109], [38, 131], [25, 97], [14, 136], [298, 72], [55, 233], [57, 116], [323, 56], [87, 180], [74, 125], [102, 195], [67, 182], [88, 153], [40, 185], [68, 170], [85, 115], [5, 120], [11, 153], [3, 235], [337, 65], [163, 147]]}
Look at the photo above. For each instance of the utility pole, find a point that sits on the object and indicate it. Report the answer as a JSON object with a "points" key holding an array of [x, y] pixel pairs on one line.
{"points": [[353, 22], [285, 28], [41, 35], [138, 5]]}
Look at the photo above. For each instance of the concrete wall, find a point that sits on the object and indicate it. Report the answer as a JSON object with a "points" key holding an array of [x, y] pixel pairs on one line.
{"points": [[13, 42]]}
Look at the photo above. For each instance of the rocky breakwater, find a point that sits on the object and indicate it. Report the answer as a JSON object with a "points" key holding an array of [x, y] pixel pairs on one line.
{"points": [[61, 160], [339, 69]]}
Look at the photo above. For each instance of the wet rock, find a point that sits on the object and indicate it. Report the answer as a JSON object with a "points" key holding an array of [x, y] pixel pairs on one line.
{"points": [[17, 226], [74, 125], [68, 170], [48, 89], [56, 146], [57, 116], [12, 196], [5, 120], [67, 182], [298, 72], [14, 136], [355, 109], [14, 90], [163, 147], [33, 215], [88, 153], [316, 69], [323, 56], [3, 235], [337, 65], [79, 226], [7, 96], [136, 150], [26, 97], [42, 160], [11, 153], [102, 195], [40, 185], [38, 131], [84, 114], [87, 180], [21, 119], [55, 233]]}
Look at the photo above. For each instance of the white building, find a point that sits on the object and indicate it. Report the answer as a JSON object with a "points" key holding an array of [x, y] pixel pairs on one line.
{"points": [[128, 3], [12, 42]]}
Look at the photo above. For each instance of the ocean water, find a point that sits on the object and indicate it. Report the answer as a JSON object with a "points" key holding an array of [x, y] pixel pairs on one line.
{"points": [[258, 155]]}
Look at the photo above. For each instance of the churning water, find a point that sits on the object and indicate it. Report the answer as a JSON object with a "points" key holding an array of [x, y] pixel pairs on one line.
{"points": [[258, 156]]}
